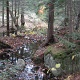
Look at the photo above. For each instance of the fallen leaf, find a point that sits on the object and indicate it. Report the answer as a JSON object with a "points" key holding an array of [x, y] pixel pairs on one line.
{"points": [[58, 65]]}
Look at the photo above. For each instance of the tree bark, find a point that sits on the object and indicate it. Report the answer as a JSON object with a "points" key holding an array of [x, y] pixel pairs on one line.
{"points": [[70, 17], [13, 17], [7, 9], [50, 37], [50, 22], [22, 17], [50, 31], [66, 19], [12, 13], [18, 11], [15, 8], [2, 13], [78, 21]]}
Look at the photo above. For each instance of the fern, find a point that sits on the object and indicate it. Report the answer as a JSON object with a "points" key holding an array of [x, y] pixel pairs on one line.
{"points": [[67, 43], [74, 35]]}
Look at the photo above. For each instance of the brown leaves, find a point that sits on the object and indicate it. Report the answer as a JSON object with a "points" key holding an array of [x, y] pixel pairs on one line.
{"points": [[40, 53], [14, 42]]}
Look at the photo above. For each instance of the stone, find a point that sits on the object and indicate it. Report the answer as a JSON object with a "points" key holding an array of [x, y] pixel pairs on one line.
{"points": [[49, 61], [20, 64], [51, 64]]}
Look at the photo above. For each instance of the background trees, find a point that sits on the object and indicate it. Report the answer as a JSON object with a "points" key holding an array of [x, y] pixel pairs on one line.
{"points": [[3, 13], [65, 11]]}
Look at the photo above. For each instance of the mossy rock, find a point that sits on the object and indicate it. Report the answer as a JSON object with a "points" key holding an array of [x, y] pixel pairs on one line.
{"points": [[59, 53], [63, 54], [53, 50]]}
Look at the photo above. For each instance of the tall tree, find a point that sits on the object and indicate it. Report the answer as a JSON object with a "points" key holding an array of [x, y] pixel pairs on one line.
{"points": [[70, 17], [18, 10], [50, 31], [78, 21], [12, 13], [22, 17], [66, 14], [7, 10], [3, 13], [15, 8]]}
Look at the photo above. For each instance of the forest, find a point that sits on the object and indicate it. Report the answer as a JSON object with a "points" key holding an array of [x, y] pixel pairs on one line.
{"points": [[39, 39]]}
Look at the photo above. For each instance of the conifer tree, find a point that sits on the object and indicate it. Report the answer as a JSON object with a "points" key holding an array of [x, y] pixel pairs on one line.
{"points": [[7, 10], [2, 13]]}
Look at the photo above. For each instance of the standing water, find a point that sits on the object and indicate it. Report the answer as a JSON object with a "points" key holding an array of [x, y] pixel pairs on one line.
{"points": [[31, 71]]}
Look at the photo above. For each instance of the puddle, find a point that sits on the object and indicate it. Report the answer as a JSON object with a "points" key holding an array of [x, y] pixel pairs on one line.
{"points": [[31, 71], [27, 50]]}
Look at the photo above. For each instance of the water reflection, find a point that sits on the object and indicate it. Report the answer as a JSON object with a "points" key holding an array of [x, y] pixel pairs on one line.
{"points": [[31, 71], [27, 50], [29, 68], [13, 58]]}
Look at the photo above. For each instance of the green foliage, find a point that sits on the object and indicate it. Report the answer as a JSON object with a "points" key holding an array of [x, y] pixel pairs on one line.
{"points": [[67, 43], [75, 35], [49, 50], [58, 3], [59, 54], [42, 31], [63, 55]]}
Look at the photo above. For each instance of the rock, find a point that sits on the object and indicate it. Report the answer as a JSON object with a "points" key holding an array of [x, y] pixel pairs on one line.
{"points": [[20, 64], [51, 64], [49, 61]]}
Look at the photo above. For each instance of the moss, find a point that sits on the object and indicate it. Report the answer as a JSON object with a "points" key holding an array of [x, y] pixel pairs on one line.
{"points": [[48, 50], [60, 53], [63, 54], [54, 50]]}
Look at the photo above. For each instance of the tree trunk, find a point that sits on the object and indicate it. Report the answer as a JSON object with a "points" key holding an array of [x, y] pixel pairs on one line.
{"points": [[70, 17], [16, 24], [66, 14], [12, 13], [15, 8], [78, 21], [13, 17], [7, 9], [22, 17], [50, 31], [2, 13], [18, 10]]}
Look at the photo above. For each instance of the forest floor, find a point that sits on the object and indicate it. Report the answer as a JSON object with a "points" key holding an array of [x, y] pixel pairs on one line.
{"points": [[17, 41]]}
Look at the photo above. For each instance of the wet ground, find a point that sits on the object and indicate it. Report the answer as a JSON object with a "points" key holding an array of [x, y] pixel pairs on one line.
{"points": [[25, 52], [31, 71]]}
